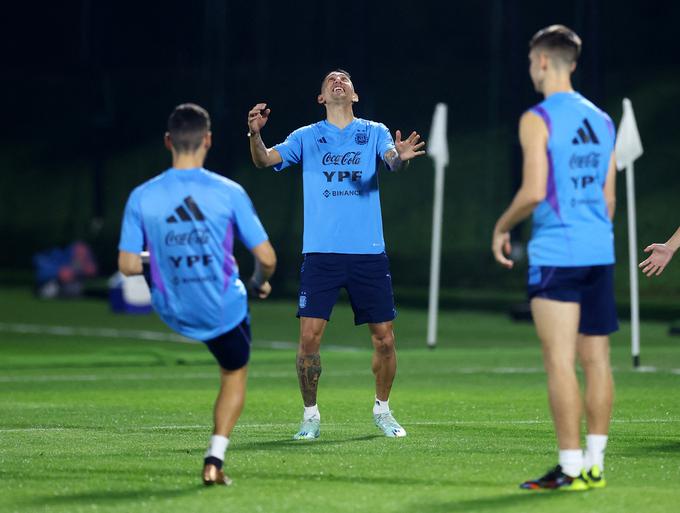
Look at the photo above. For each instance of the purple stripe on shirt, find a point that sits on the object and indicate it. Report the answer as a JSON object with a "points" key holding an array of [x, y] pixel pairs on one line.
{"points": [[551, 192], [228, 263], [156, 277], [546, 117], [610, 125]]}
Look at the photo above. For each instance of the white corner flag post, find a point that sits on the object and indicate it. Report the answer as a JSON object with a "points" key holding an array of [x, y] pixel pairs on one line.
{"points": [[438, 149], [628, 149]]}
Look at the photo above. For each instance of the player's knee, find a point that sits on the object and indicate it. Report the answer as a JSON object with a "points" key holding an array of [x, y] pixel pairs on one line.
{"points": [[558, 364], [310, 341], [384, 343]]}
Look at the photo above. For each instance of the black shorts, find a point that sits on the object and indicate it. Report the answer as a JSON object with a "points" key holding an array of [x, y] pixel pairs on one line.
{"points": [[590, 286], [366, 278], [232, 349]]}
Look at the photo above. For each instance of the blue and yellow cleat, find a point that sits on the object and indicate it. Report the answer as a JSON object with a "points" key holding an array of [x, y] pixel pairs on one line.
{"points": [[388, 424], [309, 429], [595, 477], [555, 479]]}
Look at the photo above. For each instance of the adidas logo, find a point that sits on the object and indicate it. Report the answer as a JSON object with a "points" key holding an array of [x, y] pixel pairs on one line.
{"points": [[322, 140], [185, 216], [585, 134]]}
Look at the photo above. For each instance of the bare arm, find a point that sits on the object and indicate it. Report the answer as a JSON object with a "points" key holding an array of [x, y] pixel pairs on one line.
{"points": [[403, 151], [262, 156], [129, 264], [610, 188], [661, 255], [533, 136], [265, 265]]}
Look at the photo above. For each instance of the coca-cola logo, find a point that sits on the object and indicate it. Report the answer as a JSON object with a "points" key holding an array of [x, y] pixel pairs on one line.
{"points": [[337, 159], [192, 238], [589, 160]]}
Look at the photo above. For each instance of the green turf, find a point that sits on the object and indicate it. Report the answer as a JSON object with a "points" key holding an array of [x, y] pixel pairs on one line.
{"points": [[118, 424]]}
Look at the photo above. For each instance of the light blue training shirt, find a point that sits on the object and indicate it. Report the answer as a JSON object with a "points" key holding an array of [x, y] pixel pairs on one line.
{"points": [[340, 179], [187, 220], [571, 227]]}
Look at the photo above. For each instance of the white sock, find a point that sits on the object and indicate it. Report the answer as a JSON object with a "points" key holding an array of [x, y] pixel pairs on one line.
{"points": [[381, 406], [217, 447], [571, 461], [311, 412], [594, 453]]}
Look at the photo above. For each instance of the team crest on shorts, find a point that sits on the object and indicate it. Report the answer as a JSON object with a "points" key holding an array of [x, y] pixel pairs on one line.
{"points": [[361, 138], [303, 301]]}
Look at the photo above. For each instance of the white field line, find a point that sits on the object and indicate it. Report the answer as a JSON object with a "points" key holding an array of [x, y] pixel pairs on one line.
{"points": [[339, 425], [256, 374], [156, 336]]}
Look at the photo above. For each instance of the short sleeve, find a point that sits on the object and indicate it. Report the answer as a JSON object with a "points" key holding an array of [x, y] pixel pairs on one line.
{"points": [[132, 230], [248, 225], [385, 141], [290, 150]]}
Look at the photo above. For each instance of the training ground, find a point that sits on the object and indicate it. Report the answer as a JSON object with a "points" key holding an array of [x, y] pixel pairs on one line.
{"points": [[108, 413]]}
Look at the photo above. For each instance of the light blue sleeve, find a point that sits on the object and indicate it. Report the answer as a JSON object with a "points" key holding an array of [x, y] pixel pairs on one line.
{"points": [[248, 226], [132, 230], [385, 141], [290, 150]]}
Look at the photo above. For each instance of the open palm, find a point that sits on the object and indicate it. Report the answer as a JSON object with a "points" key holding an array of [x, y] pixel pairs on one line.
{"points": [[409, 148]]}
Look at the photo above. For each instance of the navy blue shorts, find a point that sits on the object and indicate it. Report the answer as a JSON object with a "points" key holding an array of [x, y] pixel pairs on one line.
{"points": [[590, 286], [367, 279], [232, 349]]}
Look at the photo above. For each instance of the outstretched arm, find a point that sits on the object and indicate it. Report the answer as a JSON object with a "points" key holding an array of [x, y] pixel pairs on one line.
{"points": [[533, 136], [262, 156], [661, 255], [404, 151]]}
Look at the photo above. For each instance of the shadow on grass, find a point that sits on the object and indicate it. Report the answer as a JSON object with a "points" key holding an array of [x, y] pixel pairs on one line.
{"points": [[288, 444], [112, 496], [651, 449], [528, 501], [398, 480]]}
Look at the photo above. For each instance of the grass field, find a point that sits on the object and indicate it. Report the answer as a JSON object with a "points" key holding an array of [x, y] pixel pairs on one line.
{"points": [[93, 418]]}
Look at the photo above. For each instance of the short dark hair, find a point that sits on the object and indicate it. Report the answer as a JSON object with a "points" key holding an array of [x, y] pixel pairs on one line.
{"points": [[559, 40], [336, 70], [187, 125]]}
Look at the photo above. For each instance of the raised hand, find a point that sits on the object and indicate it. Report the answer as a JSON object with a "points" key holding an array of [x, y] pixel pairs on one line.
{"points": [[409, 148], [657, 261], [257, 118]]}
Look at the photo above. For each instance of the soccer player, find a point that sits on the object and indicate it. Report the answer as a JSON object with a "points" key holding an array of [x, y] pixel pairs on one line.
{"points": [[187, 218], [661, 255], [568, 183], [343, 242]]}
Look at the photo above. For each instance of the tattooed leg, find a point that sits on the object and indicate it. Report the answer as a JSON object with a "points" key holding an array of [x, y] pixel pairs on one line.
{"points": [[308, 358], [309, 370]]}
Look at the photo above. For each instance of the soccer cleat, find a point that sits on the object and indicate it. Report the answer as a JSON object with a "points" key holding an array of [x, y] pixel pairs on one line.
{"points": [[555, 479], [388, 424], [595, 477], [309, 429], [213, 475]]}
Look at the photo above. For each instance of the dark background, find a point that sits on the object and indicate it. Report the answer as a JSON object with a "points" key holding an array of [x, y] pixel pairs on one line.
{"points": [[87, 87]]}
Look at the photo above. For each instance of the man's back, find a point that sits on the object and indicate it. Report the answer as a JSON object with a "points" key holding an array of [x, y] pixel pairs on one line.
{"points": [[571, 227], [188, 220]]}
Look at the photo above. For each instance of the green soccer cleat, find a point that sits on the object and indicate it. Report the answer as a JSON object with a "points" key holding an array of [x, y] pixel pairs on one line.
{"points": [[595, 477], [388, 424], [309, 429], [555, 479]]}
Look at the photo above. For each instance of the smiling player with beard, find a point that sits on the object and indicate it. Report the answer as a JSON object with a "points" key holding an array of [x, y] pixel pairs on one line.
{"points": [[343, 243]]}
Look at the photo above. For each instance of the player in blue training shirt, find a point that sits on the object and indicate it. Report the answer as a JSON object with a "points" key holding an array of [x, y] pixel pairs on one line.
{"points": [[343, 242], [187, 219], [569, 185]]}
